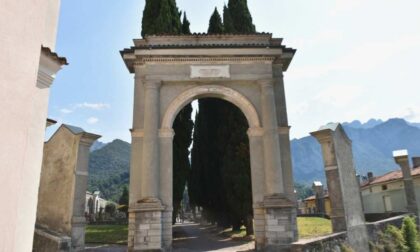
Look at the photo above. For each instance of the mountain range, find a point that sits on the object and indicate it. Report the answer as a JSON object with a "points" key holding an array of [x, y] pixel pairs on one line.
{"points": [[373, 143]]}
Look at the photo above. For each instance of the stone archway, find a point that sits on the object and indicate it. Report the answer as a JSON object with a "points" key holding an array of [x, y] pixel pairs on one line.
{"points": [[246, 70], [211, 91]]}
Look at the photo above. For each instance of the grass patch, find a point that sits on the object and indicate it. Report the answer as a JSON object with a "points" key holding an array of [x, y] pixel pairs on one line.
{"points": [[236, 235], [309, 227], [107, 234]]}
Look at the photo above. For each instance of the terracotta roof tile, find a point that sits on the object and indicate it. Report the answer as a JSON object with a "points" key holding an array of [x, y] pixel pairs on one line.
{"points": [[391, 176]]}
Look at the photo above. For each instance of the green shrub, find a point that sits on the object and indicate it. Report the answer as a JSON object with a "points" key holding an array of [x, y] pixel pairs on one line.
{"points": [[391, 240], [410, 234]]}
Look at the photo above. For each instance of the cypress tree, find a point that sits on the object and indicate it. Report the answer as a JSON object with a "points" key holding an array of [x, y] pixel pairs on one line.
{"points": [[215, 24], [227, 21], [161, 17], [185, 25], [241, 17], [182, 126]]}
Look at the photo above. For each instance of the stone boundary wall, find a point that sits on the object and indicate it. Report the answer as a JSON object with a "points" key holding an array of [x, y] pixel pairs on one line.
{"points": [[334, 242], [376, 227], [329, 243], [46, 240]]}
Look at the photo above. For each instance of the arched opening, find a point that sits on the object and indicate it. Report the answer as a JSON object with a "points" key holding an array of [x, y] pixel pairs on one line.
{"points": [[218, 191]]}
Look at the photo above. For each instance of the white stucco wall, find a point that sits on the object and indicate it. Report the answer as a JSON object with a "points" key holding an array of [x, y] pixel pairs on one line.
{"points": [[24, 27], [373, 197]]}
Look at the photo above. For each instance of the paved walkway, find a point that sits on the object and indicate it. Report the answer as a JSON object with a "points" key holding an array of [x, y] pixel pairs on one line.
{"points": [[190, 237], [193, 237]]}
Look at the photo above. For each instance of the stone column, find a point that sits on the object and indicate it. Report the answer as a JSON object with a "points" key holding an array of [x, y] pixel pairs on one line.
{"points": [[347, 212], [80, 188], [256, 147], [318, 190], [273, 169], [150, 162], [166, 137], [284, 132], [279, 210], [401, 158], [146, 213]]}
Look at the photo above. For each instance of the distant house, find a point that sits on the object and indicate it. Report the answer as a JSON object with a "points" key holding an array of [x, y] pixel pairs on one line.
{"points": [[385, 194], [310, 207], [317, 204]]}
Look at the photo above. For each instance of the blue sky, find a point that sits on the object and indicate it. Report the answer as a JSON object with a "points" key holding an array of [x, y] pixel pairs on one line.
{"points": [[356, 59]]}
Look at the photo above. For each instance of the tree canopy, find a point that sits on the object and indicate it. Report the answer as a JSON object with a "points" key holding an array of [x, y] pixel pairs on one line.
{"points": [[215, 24]]}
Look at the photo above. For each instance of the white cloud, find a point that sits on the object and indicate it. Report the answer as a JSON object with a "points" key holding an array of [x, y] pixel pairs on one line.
{"points": [[411, 114], [339, 95], [94, 106], [66, 111], [361, 59], [92, 120], [345, 6]]}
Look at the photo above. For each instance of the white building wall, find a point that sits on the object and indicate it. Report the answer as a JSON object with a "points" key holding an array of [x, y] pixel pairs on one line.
{"points": [[373, 198], [24, 27]]}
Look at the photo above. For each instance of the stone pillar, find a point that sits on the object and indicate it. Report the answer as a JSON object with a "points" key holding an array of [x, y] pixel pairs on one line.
{"points": [[62, 191], [150, 162], [80, 188], [279, 209], [256, 147], [347, 212], [318, 189], [284, 132], [145, 215], [273, 169], [166, 137], [401, 158]]}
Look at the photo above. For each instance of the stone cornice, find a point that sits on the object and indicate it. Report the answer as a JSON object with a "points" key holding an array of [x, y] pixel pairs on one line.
{"points": [[237, 49], [194, 60], [49, 64]]}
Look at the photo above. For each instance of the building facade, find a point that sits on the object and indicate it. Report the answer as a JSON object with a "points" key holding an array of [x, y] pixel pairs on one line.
{"points": [[27, 68], [385, 194]]}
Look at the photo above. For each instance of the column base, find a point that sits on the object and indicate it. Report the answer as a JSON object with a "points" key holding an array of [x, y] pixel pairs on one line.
{"points": [[280, 223], [145, 226]]}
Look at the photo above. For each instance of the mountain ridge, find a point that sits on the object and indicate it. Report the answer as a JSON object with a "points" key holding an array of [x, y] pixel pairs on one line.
{"points": [[373, 143]]}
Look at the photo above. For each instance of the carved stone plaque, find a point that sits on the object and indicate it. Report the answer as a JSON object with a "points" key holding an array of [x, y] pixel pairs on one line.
{"points": [[210, 71]]}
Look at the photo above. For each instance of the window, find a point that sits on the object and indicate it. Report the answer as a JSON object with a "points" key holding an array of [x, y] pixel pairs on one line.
{"points": [[384, 187]]}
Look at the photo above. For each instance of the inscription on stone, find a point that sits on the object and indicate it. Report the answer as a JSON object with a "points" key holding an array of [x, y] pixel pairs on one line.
{"points": [[210, 71]]}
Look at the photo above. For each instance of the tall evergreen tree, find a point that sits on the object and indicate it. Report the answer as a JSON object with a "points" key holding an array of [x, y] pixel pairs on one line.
{"points": [[215, 24], [161, 17], [241, 17], [227, 21], [182, 126], [185, 25]]}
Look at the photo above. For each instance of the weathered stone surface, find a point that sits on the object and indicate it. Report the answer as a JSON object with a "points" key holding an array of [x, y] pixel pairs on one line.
{"points": [[347, 211], [62, 191], [329, 243]]}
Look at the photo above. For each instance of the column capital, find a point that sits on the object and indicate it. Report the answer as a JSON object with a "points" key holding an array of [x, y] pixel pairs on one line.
{"points": [[137, 133], [400, 155], [266, 83], [255, 132], [322, 135], [152, 84], [166, 133]]}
